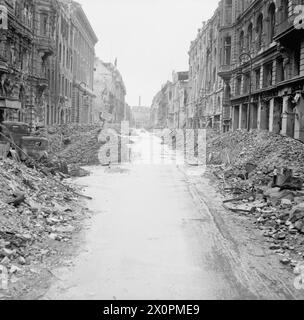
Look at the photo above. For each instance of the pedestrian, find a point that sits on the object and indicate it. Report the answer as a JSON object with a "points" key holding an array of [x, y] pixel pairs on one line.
{"points": [[275, 176]]}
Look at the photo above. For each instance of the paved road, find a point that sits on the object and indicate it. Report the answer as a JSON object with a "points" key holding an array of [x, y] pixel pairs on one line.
{"points": [[151, 238]]}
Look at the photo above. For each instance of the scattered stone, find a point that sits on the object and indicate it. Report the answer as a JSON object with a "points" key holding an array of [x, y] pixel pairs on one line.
{"points": [[21, 261], [7, 252], [281, 236], [299, 224], [286, 203], [14, 269], [5, 261], [274, 247], [54, 236], [299, 268], [285, 261], [64, 229], [14, 279]]}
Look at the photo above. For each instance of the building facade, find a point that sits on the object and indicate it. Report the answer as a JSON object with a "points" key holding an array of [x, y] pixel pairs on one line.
{"points": [[262, 65], [168, 109], [83, 57], [24, 60], [165, 111], [46, 62], [110, 92], [155, 115], [246, 71], [205, 103], [180, 90]]}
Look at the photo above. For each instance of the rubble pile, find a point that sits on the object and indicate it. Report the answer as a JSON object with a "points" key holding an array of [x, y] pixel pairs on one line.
{"points": [[245, 162], [279, 214], [36, 211], [74, 143], [260, 148]]}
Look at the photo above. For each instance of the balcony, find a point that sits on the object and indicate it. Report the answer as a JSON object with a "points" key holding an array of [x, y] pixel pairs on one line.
{"points": [[225, 72], [45, 44], [286, 24], [284, 28]]}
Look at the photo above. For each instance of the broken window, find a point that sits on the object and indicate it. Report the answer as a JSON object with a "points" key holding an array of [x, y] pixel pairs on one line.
{"points": [[297, 58], [227, 45], [246, 82], [257, 78], [268, 75], [259, 30], [238, 86], [241, 42], [285, 5], [228, 11], [272, 21], [43, 24], [280, 70], [249, 36]]}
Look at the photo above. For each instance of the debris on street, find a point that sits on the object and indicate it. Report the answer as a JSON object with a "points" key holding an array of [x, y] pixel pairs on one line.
{"points": [[74, 143], [245, 164], [36, 211]]}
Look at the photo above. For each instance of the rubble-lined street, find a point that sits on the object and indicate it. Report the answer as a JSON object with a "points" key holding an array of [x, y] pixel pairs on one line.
{"points": [[141, 159], [159, 232]]}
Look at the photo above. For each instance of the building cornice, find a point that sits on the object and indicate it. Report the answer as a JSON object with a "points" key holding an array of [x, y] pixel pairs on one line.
{"points": [[81, 16]]}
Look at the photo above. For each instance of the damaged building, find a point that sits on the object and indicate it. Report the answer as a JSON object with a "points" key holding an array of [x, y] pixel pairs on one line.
{"points": [[110, 92], [205, 103], [262, 65], [46, 62], [24, 53]]}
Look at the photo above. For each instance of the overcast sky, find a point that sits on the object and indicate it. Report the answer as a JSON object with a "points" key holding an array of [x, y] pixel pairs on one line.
{"points": [[150, 38]]}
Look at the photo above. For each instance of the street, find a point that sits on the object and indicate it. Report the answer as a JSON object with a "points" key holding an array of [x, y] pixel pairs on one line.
{"points": [[151, 236]]}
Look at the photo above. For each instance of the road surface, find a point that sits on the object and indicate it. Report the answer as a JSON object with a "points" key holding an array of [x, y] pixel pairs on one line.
{"points": [[152, 236]]}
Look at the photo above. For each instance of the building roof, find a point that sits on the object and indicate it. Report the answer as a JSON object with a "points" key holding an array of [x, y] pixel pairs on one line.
{"points": [[78, 8]]}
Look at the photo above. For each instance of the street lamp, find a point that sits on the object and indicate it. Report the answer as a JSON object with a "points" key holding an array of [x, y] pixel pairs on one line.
{"points": [[247, 54]]}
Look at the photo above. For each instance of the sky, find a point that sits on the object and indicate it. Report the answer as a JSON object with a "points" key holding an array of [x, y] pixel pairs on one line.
{"points": [[149, 38]]}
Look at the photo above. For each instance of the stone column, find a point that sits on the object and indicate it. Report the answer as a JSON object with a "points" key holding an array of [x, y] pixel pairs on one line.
{"points": [[271, 111], [297, 125], [259, 127], [240, 116], [284, 115], [232, 117]]}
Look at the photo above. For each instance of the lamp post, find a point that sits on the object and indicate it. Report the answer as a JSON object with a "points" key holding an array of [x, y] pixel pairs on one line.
{"points": [[247, 54]]}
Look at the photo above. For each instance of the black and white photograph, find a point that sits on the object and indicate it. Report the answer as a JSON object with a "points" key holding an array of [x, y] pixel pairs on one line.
{"points": [[151, 153]]}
